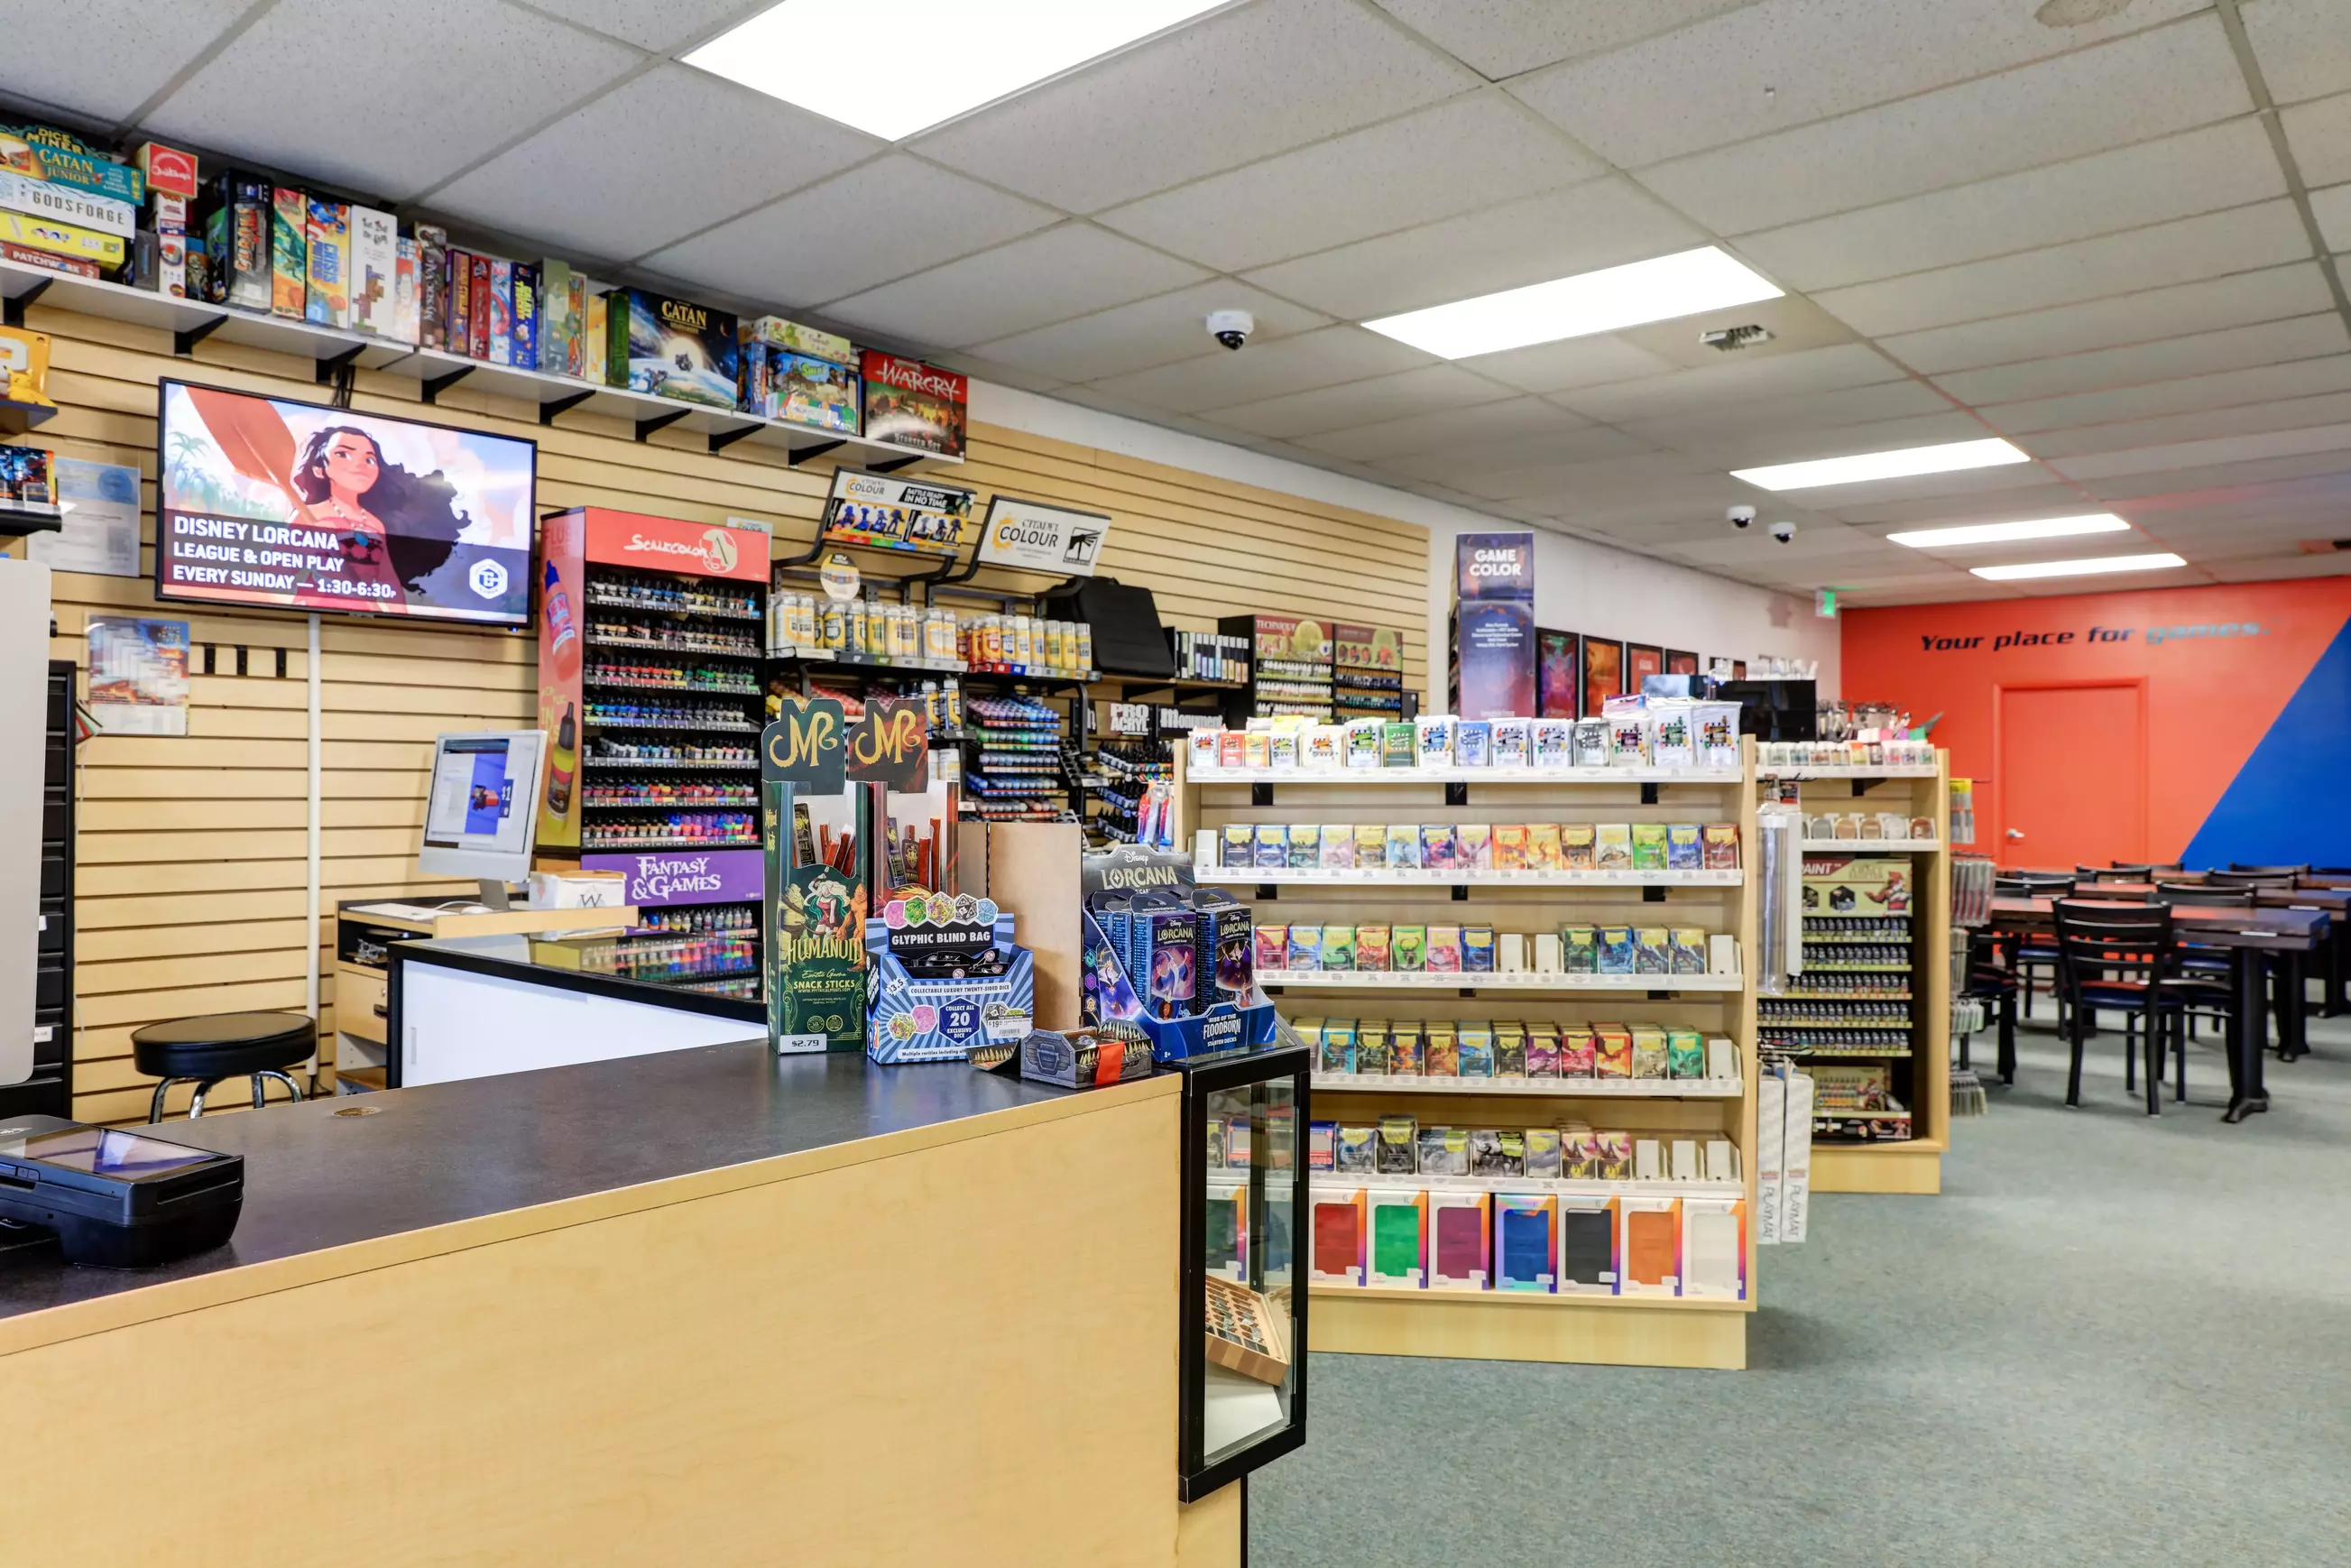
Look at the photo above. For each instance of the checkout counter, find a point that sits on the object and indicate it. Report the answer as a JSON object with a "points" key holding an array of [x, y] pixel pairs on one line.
{"points": [[703, 1305]]}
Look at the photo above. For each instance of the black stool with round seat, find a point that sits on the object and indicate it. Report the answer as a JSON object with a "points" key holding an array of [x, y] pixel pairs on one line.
{"points": [[203, 1050]]}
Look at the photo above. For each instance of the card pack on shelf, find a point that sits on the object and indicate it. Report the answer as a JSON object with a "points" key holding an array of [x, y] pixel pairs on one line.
{"points": [[1399, 1238], [1459, 1237], [1588, 1242], [1652, 1247], [1714, 1248], [1526, 1242], [1340, 1231]]}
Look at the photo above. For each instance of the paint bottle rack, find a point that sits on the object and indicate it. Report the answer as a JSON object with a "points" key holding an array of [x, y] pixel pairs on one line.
{"points": [[1879, 993]]}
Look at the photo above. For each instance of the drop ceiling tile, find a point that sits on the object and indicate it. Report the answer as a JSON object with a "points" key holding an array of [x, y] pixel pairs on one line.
{"points": [[2149, 85], [1465, 153], [2282, 568], [2218, 166], [2303, 46], [2219, 480], [1991, 489], [1241, 85], [2265, 383], [1071, 270], [2268, 234], [2244, 419], [1155, 331], [664, 26], [2046, 499], [2224, 449], [2204, 306], [114, 55], [425, 109], [1500, 38], [1768, 67], [1602, 223], [1789, 415], [878, 222], [1521, 422], [1735, 447], [1734, 381], [2332, 208], [1324, 409], [719, 148], [2201, 353], [2320, 136], [1321, 359], [1570, 362], [1512, 472]]}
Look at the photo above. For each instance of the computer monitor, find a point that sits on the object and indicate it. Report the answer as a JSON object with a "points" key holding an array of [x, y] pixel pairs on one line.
{"points": [[482, 815]]}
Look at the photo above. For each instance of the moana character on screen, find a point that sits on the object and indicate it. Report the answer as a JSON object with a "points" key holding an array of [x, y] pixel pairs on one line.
{"points": [[393, 528]]}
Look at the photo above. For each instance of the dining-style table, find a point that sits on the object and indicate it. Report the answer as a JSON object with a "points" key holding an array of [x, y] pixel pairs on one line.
{"points": [[2248, 935], [2335, 965]]}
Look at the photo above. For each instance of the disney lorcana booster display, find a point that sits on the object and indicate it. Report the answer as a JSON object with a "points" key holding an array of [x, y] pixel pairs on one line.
{"points": [[1171, 960]]}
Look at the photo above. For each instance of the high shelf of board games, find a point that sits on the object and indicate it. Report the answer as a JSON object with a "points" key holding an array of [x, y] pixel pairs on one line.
{"points": [[650, 692], [1524, 975], [1861, 998]]}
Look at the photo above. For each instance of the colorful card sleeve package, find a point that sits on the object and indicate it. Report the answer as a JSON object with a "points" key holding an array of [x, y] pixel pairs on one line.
{"points": [[1371, 949], [1440, 1050], [1720, 846], [1473, 847], [1403, 847], [1650, 956], [1321, 1141], [1511, 846], [1543, 847], [1648, 846], [1444, 956], [1338, 948], [1543, 1154], [1436, 847], [1371, 845], [1339, 1233], [1477, 949], [1239, 846], [1338, 847], [1351, 1156], [1649, 1055], [1616, 950], [1612, 847], [1651, 1246], [1526, 1242], [1713, 1265], [1589, 1239], [1474, 1049], [1575, 846], [1407, 1056], [1273, 948], [1512, 744], [1683, 851], [1459, 1240], [1371, 1045], [1397, 1151], [1408, 949], [1579, 949], [1272, 846], [1510, 1050], [1685, 950], [1543, 1050], [1613, 1055], [1399, 1219], [1304, 852], [1578, 1052]]}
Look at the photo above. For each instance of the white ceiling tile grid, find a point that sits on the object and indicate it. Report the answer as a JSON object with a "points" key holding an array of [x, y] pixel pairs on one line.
{"points": [[2078, 234]]}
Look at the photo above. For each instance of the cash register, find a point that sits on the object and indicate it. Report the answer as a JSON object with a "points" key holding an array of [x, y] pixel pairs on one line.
{"points": [[116, 1198]]}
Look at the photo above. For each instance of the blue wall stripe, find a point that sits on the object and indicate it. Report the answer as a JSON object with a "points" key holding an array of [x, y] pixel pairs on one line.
{"points": [[2291, 803]]}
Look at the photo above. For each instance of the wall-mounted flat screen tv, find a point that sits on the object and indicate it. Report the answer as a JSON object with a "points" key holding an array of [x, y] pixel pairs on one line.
{"points": [[278, 504]]}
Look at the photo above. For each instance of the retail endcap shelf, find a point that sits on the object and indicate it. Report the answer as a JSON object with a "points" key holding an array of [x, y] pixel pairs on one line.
{"points": [[1443, 877], [1444, 980], [1540, 1087]]}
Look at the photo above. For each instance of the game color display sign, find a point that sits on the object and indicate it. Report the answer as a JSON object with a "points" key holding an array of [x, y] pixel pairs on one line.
{"points": [[292, 506], [881, 511]]}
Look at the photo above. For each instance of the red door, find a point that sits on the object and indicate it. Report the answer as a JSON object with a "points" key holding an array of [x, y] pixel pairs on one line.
{"points": [[2071, 772]]}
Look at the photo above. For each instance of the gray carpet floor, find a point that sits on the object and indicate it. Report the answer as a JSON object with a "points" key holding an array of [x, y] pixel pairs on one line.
{"points": [[2111, 1340]]}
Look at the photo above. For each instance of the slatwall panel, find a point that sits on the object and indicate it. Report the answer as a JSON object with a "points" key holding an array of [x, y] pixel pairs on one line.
{"points": [[192, 849]]}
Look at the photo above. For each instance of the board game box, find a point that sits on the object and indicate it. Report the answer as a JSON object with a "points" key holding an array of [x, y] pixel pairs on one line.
{"points": [[909, 403], [671, 347]]}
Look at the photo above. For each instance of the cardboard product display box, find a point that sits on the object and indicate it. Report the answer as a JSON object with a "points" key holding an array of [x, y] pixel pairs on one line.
{"points": [[943, 976]]}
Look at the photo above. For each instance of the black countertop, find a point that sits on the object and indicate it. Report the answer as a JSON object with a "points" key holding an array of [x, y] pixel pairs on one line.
{"points": [[450, 1152]]}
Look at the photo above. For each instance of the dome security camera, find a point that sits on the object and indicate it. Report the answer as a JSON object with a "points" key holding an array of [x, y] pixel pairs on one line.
{"points": [[1741, 517], [1783, 532], [1231, 328]]}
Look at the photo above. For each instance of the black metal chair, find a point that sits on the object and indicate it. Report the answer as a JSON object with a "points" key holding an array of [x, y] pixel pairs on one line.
{"points": [[203, 1050], [2119, 958], [1997, 987], [2032, 954], [2241, 869], [2200, 960]]}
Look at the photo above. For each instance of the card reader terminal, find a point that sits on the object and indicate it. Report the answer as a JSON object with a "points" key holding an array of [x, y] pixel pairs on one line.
{"points": [[116, 1198]]}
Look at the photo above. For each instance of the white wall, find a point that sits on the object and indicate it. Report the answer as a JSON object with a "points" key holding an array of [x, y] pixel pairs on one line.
{"points": [[1579, 586]]}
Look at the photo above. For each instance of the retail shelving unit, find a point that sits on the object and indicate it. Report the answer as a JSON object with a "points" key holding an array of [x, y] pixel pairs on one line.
{"points": [[1922, 1069], [436, 370], [1498, 1324]]}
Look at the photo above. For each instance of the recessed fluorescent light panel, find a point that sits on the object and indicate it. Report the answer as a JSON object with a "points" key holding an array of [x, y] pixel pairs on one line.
{"points": [[2090, 567], [1576, 307], [1906, 463], [2002, 533], [896, 68]]}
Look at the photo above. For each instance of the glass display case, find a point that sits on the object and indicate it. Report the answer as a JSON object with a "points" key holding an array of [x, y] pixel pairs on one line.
{"points": [[1244, 1326]]}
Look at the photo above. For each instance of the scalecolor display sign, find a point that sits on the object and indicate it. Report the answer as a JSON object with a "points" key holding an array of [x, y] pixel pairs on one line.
{"points": [[670, 544], [881, 511], [1039, 537]]}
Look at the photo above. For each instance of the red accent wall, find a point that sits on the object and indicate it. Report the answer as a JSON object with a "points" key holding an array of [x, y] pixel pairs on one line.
{"points": [[2219, 664]]}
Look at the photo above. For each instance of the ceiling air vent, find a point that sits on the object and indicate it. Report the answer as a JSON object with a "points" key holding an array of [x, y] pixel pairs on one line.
{"points": [[1730, 339]]}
